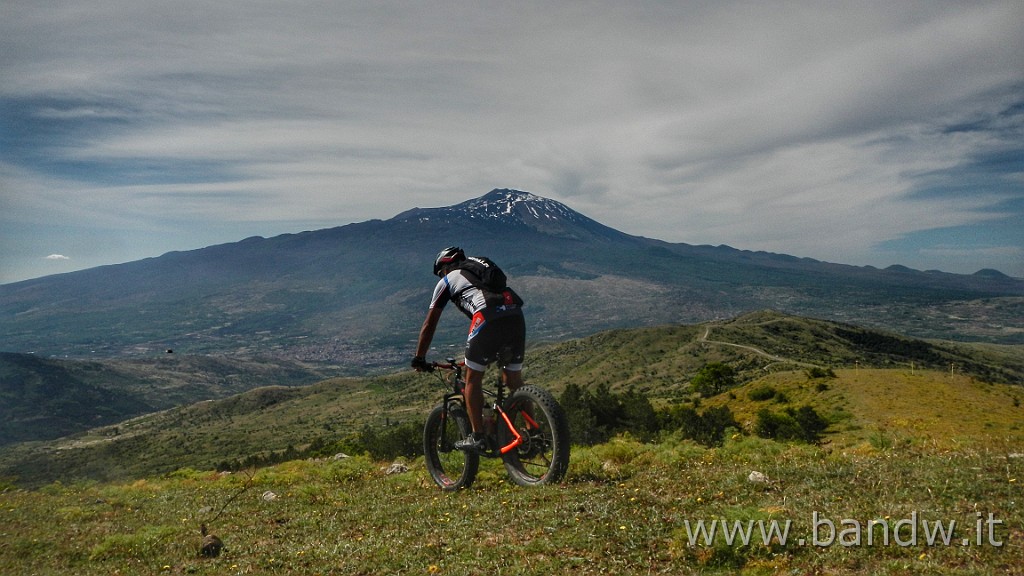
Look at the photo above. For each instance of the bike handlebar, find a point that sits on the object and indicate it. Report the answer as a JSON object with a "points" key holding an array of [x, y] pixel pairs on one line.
{"points": [[452, 372], [450, 365]]}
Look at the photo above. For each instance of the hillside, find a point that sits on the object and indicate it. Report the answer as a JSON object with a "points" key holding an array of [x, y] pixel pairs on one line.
{"points": [[354, 295], [766, 348], [660, 361], [879, 408], [43, 399]]}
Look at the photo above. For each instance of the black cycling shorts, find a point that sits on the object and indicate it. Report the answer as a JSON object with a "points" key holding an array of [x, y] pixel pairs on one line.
{"points": [[489, 336]]}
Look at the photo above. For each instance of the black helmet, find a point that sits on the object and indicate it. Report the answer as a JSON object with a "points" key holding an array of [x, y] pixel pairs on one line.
{"points": [[449, 255]]}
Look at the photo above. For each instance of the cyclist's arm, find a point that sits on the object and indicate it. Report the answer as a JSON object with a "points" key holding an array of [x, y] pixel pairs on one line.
{"points": [[427, 331]]}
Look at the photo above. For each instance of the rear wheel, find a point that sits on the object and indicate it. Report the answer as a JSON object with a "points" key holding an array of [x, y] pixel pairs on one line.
{"points": [[451, 469], [543, 455]]}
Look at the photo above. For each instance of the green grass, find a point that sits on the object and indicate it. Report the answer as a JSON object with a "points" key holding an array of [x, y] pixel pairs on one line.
{"points": [[622, 509], [872, 406]]}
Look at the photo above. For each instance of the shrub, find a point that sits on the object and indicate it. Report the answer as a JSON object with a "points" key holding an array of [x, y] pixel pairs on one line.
{"points": [[761, 393], [707, 428], [385, 443], [811, 423], [819, 372], [776, 425], [596, 417], [803, 424]]}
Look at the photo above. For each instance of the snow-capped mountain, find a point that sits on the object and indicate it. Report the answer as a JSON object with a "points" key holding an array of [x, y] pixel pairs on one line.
{"points": [[521, 206], [514, 208]]}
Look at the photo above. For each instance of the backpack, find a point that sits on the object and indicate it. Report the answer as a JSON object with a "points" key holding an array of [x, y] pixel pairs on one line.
{"points": [[489, 278], [484, 273]]}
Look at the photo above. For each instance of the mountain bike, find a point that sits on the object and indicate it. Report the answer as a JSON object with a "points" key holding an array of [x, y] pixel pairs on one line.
{"points": [[526, 429]]}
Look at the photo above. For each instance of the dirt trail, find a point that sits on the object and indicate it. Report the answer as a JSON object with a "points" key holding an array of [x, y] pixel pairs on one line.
{"points": [[707, 331]]}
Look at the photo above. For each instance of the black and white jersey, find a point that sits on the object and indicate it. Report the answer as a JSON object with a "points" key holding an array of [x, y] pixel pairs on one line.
{"points": [[455, 287]]}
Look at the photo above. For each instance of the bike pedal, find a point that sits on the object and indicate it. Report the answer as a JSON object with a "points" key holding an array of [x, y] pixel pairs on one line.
{"points": [[491, 447]]}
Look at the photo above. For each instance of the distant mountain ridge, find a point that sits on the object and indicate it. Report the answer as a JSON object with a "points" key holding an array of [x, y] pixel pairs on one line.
{"points": [[355, 295]]}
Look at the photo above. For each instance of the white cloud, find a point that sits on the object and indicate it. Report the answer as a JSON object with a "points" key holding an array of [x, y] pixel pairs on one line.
{"points": [[798, 128], [57, 257]]}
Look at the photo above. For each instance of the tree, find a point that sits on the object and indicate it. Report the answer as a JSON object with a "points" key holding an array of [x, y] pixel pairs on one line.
{"points": [[575, 403], [713, 378], [606, 406], [638, 415], [716, 421]]}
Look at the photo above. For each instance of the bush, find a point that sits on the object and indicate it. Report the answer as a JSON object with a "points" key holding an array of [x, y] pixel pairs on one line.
{"points": [[803, 424], [596, 417], [811, 423], [386, 443], [707, 428], [761, 393], [819, 372], [776, 426]]}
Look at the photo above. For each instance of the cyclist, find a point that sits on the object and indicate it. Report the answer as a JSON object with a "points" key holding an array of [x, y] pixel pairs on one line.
{"points": [[494, 325]]}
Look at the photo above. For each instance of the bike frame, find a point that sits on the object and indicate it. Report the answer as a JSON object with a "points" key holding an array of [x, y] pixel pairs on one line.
{"points": [[458, 385], [531, 439]]}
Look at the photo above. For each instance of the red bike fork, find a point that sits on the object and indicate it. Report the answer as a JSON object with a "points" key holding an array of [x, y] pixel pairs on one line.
{"points": [[517, 438]]}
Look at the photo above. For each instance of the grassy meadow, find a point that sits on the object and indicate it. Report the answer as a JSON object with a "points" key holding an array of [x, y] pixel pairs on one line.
{"points": [[946, 450], [931, 409]]}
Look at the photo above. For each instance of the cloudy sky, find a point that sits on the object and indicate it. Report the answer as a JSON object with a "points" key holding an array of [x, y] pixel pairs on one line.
{"points": [[854, 132]]}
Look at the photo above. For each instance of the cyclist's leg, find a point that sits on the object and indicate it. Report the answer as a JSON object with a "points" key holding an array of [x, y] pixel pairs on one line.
{"points": [[513, 378], [477, 359], [474, 395], [515, 335], [487, 339]]}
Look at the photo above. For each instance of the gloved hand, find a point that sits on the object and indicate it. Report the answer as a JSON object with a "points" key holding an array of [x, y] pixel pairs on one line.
{"points": [[419, 363]]}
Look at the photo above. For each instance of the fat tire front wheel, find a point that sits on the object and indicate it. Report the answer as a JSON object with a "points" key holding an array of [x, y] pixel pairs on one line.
{"points": [[543, 456], [451, 469]]}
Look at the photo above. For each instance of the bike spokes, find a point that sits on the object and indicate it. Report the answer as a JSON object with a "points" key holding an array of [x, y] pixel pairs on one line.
{"points": [[451, 469]]}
